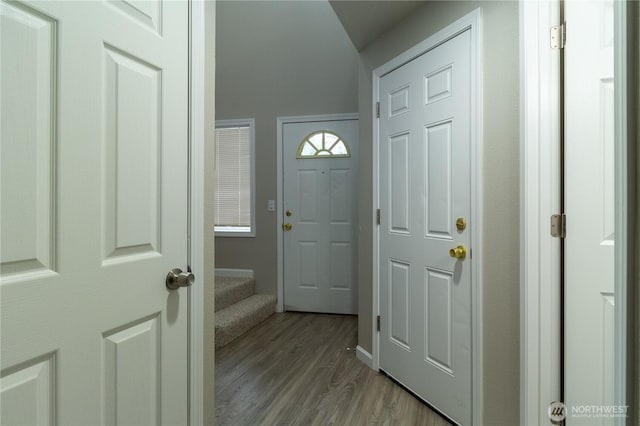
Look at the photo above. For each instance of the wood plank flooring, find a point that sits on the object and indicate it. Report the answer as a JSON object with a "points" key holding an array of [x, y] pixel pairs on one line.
{"points": [[294, 369]]}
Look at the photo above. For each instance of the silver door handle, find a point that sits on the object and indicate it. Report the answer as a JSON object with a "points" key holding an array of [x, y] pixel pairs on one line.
{"points": [[176, 279]]}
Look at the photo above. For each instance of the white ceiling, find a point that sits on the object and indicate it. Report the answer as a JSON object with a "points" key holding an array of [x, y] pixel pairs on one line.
{"points": [[365, 21]]}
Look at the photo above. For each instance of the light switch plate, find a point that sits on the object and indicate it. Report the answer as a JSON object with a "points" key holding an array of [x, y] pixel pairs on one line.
{"points": [[271, 206]]}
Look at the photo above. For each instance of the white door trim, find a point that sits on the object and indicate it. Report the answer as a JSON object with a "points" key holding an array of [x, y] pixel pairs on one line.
{"points": [[195, 296], [281, 121], [624, 247], [539, 199], [472, 22], [539, 189]]}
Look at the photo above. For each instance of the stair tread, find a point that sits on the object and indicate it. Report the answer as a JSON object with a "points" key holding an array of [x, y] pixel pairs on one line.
{"points": [[227, 281], [243, 307]]}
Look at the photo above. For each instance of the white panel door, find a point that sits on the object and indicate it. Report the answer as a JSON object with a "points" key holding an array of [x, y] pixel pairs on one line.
{"points": [[589, 206], [425, 293], [320, 201], [93, 212]]}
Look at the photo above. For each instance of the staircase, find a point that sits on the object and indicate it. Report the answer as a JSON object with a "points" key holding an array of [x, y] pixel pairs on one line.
{"points": [[238, 309]]}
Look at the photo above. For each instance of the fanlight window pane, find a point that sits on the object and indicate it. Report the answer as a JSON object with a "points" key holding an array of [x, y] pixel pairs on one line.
{"points": [[330, 140], [323, 144], [316, 141], [308, 150], [339, 149]]}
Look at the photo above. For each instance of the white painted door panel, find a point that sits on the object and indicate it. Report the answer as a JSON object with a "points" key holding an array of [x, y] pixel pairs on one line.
{"points": [[589, 206], [320, 249], [93, 212], [425, 295]]}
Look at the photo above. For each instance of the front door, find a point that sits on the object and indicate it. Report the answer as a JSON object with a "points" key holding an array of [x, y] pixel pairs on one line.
{"points": [[590, 210], [425, 228], [320, 203], [93, 212]]}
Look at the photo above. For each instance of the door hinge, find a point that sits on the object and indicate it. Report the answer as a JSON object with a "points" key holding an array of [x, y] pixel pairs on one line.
{"points": [[559, 225], [558, 36], [378, 217], [377, 109], [378, 323]]}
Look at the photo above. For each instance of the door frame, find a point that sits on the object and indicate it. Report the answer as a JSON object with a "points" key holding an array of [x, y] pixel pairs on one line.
{"points": [[196, 136], [539, 199], [281, 121], [540, 320], [472, 22]]}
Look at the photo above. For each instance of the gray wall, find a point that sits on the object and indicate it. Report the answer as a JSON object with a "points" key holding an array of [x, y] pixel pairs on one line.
{"points": [[633, 306], [277, 59], [501, 187]]}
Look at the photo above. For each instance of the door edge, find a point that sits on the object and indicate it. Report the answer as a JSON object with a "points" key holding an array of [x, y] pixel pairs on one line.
{"points": [[196, 137]]}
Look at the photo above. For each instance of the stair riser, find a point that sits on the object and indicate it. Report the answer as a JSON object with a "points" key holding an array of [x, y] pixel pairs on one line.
{"points": [[228, 329], [227, 296]]}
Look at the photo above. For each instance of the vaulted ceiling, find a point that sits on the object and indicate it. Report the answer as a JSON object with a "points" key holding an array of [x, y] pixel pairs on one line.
{"points": [[365, 21]]}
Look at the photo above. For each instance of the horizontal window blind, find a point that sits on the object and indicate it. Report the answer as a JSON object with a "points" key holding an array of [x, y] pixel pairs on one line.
{"points": [[233, 177]]}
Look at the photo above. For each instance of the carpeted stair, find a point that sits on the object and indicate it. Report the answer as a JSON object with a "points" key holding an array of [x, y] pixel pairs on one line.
{"points": [[238, 308]]}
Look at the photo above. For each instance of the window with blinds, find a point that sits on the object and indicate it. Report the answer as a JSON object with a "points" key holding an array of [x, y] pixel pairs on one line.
{"points": [[234, 206]]}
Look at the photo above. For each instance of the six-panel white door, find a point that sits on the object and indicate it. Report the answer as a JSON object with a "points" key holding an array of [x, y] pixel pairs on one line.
{"points": [[589, 206], [320, 196], [424, 178], [93, 212]]}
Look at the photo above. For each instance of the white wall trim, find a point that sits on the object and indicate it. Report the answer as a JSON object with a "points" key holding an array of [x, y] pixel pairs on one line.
{"points": [[540, 196], [364, 356], [281, 121], [240, 273], [472, 22], [621, 88], [196, 135]]}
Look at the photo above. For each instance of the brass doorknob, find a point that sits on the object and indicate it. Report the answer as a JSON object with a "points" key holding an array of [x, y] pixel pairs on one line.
{"points": [[287, 226], [288, 213], [176, 279], [458, 252]]}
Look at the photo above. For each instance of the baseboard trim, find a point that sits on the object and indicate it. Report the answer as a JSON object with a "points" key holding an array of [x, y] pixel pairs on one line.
{"points": [[241, 273], [364, 356]]}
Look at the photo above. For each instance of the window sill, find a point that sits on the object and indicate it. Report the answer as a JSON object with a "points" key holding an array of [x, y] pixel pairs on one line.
{"points": [[234, 232]]}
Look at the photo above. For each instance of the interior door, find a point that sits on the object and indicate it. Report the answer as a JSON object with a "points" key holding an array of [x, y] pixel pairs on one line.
{"points": [[425, 276], [94, 212], [589, 206], [320, 176]]}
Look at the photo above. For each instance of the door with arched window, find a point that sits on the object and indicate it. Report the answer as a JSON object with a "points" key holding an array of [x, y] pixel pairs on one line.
{"points": [[320, 206]]}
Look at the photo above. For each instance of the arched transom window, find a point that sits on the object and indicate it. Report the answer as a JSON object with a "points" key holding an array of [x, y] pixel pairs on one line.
{"points": [[323, 144]]}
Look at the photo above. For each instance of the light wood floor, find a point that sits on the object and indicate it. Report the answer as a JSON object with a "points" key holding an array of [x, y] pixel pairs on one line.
{"points": [[294, 369]]}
